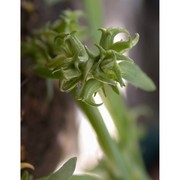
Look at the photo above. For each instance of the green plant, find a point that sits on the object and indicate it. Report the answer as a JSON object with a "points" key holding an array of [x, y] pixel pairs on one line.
{"points": [[64, 173], [59, 54]]}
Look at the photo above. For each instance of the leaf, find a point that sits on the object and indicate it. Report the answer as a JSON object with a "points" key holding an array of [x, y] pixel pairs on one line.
{"points": [[58, 61], [85, 177], [75, 44], [88, 65], [70, 73], [66, 86], [118, 73], [122, 57], [132, 73], [65, 172], [45, 73], [108, 35], [102, 78], [115, 89], [123, 46], [90, 88]]}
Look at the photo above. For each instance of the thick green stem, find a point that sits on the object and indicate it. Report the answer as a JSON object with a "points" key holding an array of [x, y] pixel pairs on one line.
{"points": [[117, 110], [107, 144], [125, 129]]}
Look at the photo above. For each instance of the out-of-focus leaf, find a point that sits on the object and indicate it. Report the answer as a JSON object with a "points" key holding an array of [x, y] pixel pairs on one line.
{"points": [[42, 178], [45, 73], [115, 89], [94, 13], [64, 173], [133, 74], [57, 61], [85, 177]]}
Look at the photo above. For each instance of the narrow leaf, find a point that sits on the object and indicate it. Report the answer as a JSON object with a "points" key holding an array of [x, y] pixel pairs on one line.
{"points": [[66, 86], [115, 89], [119, 74], [65, 172], [132, 73], [45, 73], [101, 77], [91, 87], [123, 46], [58, 61], [70, 73], [91, 102], [85, 177], [122, 57]]}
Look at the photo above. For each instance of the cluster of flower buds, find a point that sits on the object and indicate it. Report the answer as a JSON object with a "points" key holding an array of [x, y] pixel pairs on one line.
{"points": [[85, 73]]}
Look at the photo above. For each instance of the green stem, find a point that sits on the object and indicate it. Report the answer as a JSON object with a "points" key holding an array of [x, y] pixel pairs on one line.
{"points": [[125, 128], [117, 110], [107, 144]]}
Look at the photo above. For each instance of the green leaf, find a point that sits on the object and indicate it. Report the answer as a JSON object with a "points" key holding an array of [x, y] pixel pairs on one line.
{"points": [[118, 73], [65, 172], [85, 177], [108, 35], [70, 73], [45, 73], [123, 58], [58, 61], [123, 46], [42, 178], [133, 74], [90, 88], [102, 78], [75, 44], [115, 89], [66, 86]]}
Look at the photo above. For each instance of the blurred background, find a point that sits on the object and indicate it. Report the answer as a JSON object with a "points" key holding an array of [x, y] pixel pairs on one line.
{"points": [[53, 129]]}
